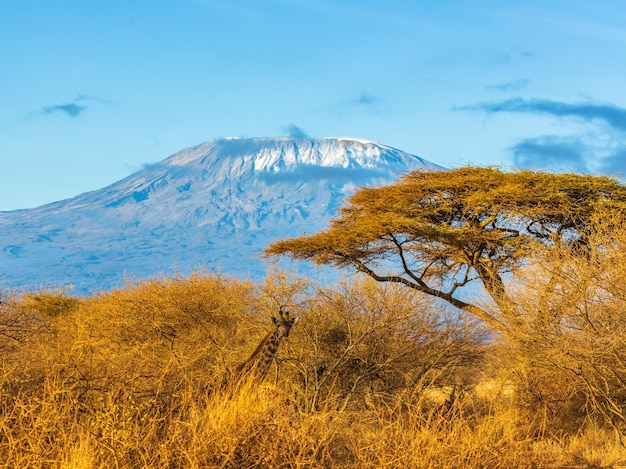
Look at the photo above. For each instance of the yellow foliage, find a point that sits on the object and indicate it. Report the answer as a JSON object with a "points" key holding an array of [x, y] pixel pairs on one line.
{"points": [[372, 376], [439, 231]]}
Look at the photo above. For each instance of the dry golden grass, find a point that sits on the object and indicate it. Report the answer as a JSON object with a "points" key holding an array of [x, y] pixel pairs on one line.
{"points": [[371, 376]]}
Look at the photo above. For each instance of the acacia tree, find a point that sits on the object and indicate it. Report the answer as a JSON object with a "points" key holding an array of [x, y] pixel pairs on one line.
{"points": [[437, 232]]}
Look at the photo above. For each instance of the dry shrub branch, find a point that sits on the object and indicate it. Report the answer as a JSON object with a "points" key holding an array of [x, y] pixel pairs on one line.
{"points": [[373, 375]]}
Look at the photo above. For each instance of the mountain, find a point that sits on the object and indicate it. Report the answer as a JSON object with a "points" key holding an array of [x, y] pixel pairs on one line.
{"points": [[215, 206]]}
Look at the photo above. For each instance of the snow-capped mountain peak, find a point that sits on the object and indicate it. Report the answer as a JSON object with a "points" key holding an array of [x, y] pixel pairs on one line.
{"points": [[217, 205], [280, 154]]}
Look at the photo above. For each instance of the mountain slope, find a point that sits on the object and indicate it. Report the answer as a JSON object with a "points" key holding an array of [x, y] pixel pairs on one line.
{"points": [[215, 205]]}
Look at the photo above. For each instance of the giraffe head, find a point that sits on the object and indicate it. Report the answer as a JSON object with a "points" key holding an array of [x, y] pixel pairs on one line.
{"points": [[284, 322]]}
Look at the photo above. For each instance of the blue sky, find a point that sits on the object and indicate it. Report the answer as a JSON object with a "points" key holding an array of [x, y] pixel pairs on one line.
{"points": [[91, 91]]}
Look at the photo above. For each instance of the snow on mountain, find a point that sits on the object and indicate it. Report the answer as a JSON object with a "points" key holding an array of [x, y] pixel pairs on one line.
{"points": [[212, 206]]}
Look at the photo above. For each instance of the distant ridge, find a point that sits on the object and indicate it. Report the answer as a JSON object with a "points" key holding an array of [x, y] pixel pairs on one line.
{"points": [[215, 205]]}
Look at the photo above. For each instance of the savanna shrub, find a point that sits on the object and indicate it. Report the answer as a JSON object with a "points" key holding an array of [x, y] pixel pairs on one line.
{"points": [[364, 343], [133, 378], [570, 350]]}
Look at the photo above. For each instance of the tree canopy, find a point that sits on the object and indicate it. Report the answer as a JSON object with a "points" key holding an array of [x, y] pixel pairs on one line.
{"points": [[438, 231]]}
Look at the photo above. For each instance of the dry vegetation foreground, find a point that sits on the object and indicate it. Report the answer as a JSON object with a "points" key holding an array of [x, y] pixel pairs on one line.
{"points": [[372, 376]]}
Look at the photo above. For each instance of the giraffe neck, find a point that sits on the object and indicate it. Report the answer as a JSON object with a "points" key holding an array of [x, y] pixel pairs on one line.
{"points": [[258, 365]]}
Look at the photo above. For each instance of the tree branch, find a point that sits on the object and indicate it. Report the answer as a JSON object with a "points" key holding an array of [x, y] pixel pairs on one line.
{"points": [[465, 281], [405, 266], [490, 219], [422, 287]]}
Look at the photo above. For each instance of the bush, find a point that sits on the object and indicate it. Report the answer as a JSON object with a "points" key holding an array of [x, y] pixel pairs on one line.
{"points": [[570, 352], [364, 344], [371, 376]]}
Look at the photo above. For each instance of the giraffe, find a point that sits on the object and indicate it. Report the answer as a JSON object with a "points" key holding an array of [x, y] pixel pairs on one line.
{"points": [[255, 368]]}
